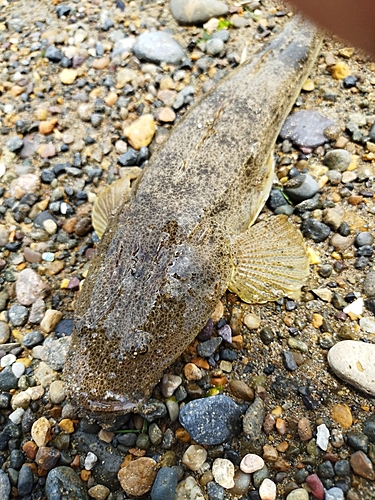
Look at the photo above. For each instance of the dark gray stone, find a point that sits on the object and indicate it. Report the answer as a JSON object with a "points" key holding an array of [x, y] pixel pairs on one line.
{"points": [[357, 441], [53, 54], [129, 158], [8, 380], [5, 487], [363, 238], [301, 187], [165, 484], [212, 420], [25, 481], [206, 349], [314, 229], [215, 491], [289, 361], [64, 484], [14, 143], [32, 339]]}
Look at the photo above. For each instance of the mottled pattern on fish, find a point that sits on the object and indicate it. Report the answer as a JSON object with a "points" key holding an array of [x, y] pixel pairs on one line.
{"points": [[166, 257]]}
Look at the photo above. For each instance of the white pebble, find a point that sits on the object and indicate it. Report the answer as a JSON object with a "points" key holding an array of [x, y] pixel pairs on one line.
{"points": [[267, 490], [50, 226], [63, 208], [355, 307], [90, 460], [367, 324], [251, 463], [16, 416], [18, 369], [322, 437], [223, 472], [7, 360]]}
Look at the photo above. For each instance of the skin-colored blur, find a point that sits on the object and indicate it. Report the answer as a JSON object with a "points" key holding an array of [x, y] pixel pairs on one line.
{"points": [[353, 20]]}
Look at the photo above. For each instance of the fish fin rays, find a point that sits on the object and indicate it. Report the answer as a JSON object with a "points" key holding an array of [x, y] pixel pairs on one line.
{"points": [[111, 198], [270, 262]]}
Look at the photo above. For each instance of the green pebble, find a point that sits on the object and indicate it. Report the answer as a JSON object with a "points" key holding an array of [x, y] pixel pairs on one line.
{"points": [[143, 441], [297, 344]]}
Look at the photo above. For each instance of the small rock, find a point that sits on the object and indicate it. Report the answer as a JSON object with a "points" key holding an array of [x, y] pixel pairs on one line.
{"points": [[322, 437], [298, 494], [196, 12], [157, 47], [90, 460], [64, 482], [30, 287], [18, 315], [99, 492], [251, 463], [140, 132], [25, 481], [57, 392], [188, 489], [41, 431], [50, 320], [301, 187], [340, 71], [169, 384], [4, 332], [223, 472], [137, 477], [8, 380], [15, 143], [251, 321], [194, 457], [342, 414], [68, 76], [5, 486], [314, 229], [352, 362], [241, 390], [337, 159], [165, 484], [267, 490], [212, 420], [304, 429], [306, 128], [362, 465], [316, 486]]}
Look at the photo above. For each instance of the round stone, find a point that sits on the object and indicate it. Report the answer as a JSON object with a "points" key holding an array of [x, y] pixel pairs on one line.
{"points": [[165, 484], [251, 463], [337, 159], [223, 472], [138, 476], [157, 47]]}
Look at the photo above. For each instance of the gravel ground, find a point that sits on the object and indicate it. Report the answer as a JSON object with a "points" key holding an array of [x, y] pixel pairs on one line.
{"points": [[80, 104]]}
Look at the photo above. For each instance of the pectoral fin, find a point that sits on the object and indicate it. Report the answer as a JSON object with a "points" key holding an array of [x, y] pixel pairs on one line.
{"points": [[270, 261], [111, 198]]}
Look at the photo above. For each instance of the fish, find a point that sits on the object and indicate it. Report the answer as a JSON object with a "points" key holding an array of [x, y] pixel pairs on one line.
{"points": [[184, 233]]}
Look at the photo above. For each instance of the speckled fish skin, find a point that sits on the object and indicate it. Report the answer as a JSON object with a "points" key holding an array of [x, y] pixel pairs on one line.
{"points": [[165, 259]]}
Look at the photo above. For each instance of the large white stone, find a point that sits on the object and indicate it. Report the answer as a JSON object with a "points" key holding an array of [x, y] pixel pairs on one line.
{"points": [[353, 362]]}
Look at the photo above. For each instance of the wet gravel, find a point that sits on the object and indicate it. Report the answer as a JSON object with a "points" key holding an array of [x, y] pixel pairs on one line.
{"points": [[91, 89]]}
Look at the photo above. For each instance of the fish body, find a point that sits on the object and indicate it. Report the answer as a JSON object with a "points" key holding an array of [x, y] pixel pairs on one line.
{"points": [[179, 239]]}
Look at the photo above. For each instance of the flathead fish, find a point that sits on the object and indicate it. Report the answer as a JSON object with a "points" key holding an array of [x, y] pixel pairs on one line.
{"points": [[184, 234]]}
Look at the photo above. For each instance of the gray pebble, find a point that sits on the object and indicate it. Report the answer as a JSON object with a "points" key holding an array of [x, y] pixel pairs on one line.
{"points": [[128, 439], [314, 229], [206, 349], [53, 54], [155, 434], [289, 361], [8, 380], [337, 159], [157, 47], [25, 481], [63, 482], [18, 315], [212, 420], [284, 210], [305, 128], [260, 475], [363, 239], [369, 284], [301, 187], [276, 199], [5, 487], [14, 143], [96, 120], [342, 468], [53, 352], [334, 494], [192, 12], [165, 484], [334, 176], [214, 46], [357, 441], [253, 419], [215, 491]]}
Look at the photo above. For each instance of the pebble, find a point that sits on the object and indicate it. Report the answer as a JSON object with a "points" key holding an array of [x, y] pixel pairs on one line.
{"points": [[322, 437], [50, 320], [301, 187], [223, 472], [18, 315], [314, 229], [212, 420], [334, 494], [30, 287], [141, 131], [251, 321], [196, 13], [137, 477], [5, 486], [18, 369], [306, 128], [304, 429], [157, 47], [363, 238], [57, 392], [8, 380], [7, 360], [194, 457], [64, 482], [90, 460], [165, 484], [298, 494], [214, 46], [206, 349], [192, 372], [68, 76], [188, 489], [352, 362], [241, 390], [99, 492], [367, 324], [337, 159], [251, 463], [341, 243], [316, 486], [16, 416], [342, 414], [41, 431], [25, 481], [362, 465], [32, 339], [4, 332], [169, 384], [215, 491], [267, 490], [253, 419]]}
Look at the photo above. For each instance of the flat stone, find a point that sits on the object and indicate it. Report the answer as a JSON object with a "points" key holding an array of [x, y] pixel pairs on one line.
{"points": [[342, 414], [352, 362], [306, 128], [362, 465], [64, 482], [301, 187], [41, 431], [157, 47], [212, 420]]}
